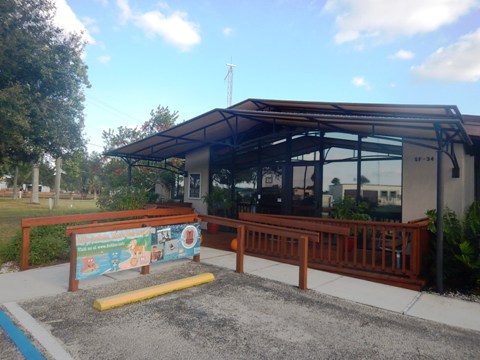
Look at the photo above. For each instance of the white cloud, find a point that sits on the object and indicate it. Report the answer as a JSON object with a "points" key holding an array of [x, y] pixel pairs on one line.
{"points": [[457, 62], [227, 31], [125, 12], [381, 20], [175, 28], [66, 19], [104, 59], [91, 25], [360, 81], [403, 55]]}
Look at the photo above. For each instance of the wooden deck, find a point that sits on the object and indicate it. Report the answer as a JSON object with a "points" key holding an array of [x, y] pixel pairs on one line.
{"points": [[389, 253]]}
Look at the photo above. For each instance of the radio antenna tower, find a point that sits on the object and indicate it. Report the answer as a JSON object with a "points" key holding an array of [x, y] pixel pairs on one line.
{"points": [[229, 78]]}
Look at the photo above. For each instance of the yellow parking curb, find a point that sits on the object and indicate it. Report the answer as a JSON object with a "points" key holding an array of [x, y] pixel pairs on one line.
{"points": [[152, 291]]}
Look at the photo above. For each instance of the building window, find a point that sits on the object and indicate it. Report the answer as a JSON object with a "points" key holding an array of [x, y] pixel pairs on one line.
{"points": [[194, 186], [393, 194], [384, 194]]}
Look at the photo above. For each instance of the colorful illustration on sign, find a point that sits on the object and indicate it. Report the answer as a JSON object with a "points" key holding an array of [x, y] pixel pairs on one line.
{"points": [[115, 259], [175, 242], [112, 251], [89, 265], [157, 253]]}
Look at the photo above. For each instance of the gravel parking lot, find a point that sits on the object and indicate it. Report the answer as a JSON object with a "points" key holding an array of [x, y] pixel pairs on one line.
{"points": [[239, 316]]}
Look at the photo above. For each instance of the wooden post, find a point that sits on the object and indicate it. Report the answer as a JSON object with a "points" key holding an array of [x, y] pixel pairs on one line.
{"points": [[283, 251], [145, 270], [303, 253], [240, 248], [72, 281], [25, 249], [415, 252]]}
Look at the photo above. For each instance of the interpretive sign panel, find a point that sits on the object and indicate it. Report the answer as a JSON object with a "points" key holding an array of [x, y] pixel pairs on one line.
{"points": [[111, 251], [173, 242]]}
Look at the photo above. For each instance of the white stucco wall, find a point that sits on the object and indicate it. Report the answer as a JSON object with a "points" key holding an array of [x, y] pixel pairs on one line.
{"points": [[198, 162], [419, 169]]}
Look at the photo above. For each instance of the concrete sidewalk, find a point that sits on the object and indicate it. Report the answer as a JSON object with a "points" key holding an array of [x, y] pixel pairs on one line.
{"points": [[27, 285]]}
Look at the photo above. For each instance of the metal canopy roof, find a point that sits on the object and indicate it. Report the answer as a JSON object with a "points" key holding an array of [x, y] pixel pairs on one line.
{"points": [[252, 121], [472, 125]]}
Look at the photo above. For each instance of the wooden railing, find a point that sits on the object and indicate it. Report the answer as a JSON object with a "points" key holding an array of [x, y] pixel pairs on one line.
{"points": [[28, 223], [387, 252], [274, 241]]}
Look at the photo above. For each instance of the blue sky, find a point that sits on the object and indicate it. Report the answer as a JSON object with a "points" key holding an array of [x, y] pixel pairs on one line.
{"points": [[142, 54]]}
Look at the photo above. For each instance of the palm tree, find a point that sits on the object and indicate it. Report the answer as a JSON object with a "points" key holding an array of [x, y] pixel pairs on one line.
{"points": [[94, 185]]}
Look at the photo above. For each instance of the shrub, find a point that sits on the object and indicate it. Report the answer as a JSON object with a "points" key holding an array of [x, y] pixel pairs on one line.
{"points": [[123, 198], [10, 251], [461, 249], [348, 208], [48, 244], [218, 201]]}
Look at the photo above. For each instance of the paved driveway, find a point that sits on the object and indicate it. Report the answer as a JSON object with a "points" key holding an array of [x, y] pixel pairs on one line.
{"points": [[239, 316]]}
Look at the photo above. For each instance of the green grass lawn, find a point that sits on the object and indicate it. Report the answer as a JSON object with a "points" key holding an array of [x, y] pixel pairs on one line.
{"points": [[12, 211]]}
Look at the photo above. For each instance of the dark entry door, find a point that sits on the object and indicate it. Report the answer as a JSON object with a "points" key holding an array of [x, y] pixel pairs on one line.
{"points": [[303, 190], [269, 199]]}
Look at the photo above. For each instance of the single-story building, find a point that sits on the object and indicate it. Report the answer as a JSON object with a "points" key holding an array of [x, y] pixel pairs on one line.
{"points": [[268, 156], [271, 153]]}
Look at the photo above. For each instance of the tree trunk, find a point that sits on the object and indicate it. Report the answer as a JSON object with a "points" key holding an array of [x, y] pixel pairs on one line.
{"points": [[15, 184], [95, 195], [58, 178], [35, 183]]}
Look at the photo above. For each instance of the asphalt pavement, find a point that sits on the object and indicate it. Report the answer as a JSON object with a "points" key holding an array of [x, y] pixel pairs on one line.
{"points": [[257, 315]]}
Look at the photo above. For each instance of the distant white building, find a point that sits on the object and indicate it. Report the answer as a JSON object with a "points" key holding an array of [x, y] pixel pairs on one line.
{"points": [[41, 188], [378, 194]]}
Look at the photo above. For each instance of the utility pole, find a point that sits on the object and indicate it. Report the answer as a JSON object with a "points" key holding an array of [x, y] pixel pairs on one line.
{"points": [[229, 78]]}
